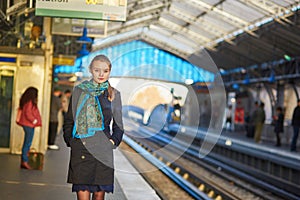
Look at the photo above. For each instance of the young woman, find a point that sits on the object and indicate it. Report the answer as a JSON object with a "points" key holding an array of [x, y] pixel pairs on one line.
{"points": [[93, 105], [30, 118]]}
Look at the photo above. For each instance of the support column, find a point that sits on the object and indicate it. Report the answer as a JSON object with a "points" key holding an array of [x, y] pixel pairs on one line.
{"points": [[280, 95], [48, 49], [272, 98], [296, 91]]}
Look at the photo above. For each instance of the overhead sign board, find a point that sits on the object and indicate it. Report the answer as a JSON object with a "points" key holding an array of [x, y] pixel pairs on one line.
{"points": [[114, 10], [63, 61], [74, 27]]}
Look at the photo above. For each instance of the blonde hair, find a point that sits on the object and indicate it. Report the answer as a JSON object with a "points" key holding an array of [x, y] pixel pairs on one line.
{"points": [[103, 58]]}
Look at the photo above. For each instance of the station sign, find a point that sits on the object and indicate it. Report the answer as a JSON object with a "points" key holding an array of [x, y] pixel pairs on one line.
{"points": [[74, 27], [63, 60], [112, 10]]}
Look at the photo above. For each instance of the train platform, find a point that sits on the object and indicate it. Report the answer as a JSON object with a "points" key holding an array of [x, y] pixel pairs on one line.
{"points": [[267, 142], [50, 183], [239, 136]]}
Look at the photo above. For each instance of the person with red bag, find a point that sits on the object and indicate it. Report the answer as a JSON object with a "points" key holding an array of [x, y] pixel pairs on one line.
{"points": [[29, 119]]}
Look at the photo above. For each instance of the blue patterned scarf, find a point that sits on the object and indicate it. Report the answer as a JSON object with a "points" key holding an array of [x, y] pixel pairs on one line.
{"points": [[89, 116]]}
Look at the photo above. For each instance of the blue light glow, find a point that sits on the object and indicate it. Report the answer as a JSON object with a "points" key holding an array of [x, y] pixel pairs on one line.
{"points": [[139, 59]]}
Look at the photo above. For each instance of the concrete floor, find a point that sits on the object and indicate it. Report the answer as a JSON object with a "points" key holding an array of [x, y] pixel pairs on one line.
{"points": [[48, 184]]}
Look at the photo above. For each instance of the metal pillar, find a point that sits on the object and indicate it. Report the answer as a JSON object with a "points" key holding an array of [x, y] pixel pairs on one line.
{"points": [[280, 95], [48, 49], [271, 96], [296, 91]]}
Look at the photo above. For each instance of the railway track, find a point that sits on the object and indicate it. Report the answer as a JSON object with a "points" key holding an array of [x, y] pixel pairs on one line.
{"points": [[275, 172], [229, 187], [198, 188]]}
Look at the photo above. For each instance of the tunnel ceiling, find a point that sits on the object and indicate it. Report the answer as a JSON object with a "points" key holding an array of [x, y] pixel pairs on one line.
{"points": [[235, 33]]}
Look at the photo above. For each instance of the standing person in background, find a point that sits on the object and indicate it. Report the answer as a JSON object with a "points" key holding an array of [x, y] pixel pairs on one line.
{"points": [[68, 93], [278, 122], [228, 122], [29, 119], [93, 106], [296, 126], [251, 124], [53, 124], [259, 120], [65, 98]]}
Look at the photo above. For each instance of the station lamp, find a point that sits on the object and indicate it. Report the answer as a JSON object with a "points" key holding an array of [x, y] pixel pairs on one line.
{"points": [[272, 76], [84, 39], [247, 79], [235, 86], [287, 57], [83, 51]]}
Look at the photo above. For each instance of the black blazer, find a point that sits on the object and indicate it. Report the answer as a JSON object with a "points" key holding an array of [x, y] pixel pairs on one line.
{"points": [[111, 111], [296, 117], [91, 158]]}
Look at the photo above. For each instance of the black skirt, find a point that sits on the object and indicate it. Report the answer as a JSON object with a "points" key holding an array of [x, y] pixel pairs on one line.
{"points": [[93, 188]]}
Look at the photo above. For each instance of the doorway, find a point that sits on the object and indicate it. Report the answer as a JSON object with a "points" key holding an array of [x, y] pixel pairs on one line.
{"points": [[6, 94]]}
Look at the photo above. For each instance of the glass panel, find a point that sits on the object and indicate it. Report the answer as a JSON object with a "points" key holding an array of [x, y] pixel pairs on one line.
{"points": [[6, 91]]}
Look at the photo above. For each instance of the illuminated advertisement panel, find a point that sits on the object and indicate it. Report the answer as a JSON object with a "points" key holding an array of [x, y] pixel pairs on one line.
{"points": [[113, 10]]}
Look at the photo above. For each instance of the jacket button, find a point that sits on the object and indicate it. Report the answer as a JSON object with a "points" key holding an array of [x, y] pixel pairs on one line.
{"points": [[82, 157]]}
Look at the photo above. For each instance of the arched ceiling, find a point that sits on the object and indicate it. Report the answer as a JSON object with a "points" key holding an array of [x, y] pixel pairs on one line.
{"points": [[235, 33]]}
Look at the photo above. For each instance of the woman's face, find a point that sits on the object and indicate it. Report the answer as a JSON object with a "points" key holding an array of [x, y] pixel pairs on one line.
{"points": [[100, 71]]}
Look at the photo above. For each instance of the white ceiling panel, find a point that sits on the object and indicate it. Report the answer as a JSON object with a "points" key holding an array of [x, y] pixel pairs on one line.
{"points": [[240, 10], [196, 24], [219, 21]]}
